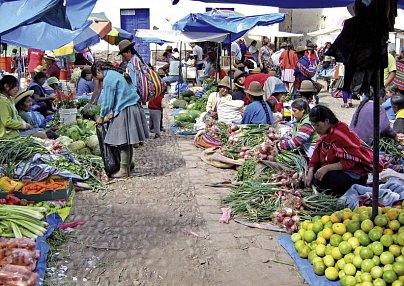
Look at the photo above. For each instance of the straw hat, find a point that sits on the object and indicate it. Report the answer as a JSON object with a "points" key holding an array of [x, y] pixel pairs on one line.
{"points": [[21, 94], [283, 45], [124, 45], [52, 80], [238, 73], [39, 68], [256, 70], [307, 86], [255, 89], [169, 48], [225, 82], [49, 57], [272, 73], [300, 49]]}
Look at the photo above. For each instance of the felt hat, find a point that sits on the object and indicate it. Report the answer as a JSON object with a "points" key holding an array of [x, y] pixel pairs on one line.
{"points": [[124, 45], [280, 88], [224, 82], [238, 73], [21, 94], [49, 57], [176, 55], [272, 73], [310, 45], [39, 68], [255, 89], [52, 80], [169, 48], [300, 49], [307, 86], [283, 45], [248, 55]]}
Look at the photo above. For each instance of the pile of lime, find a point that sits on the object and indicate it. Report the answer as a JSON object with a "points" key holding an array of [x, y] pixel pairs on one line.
{"points": [[349, 246]]}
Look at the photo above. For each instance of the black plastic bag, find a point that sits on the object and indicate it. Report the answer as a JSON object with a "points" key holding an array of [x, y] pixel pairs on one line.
{"points": [[110, 154]]}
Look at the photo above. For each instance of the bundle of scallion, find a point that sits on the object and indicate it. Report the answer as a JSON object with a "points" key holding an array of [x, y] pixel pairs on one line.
{"points": [[293, 161], [22, 221], [19, 149]]}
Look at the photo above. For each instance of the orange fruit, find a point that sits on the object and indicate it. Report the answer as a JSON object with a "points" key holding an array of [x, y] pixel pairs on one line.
{"points": [[317, 226], [353, 225], [398, 267], [375, 234], [389, 276], [395, 250], [377, 247], [349, 269], [392, 214], [381, 220], [335, 239], [331, 273], [386, 240], [327, 232], [319, 268], [367, 265], [339, 228], [345, 247], [376, 272], [328, 260], [324, 219], [309, 236], [366, 253], [386, 258], [394, 225], [367, 225]]}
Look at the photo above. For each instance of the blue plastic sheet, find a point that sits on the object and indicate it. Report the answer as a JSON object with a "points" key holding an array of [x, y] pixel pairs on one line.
{"points": [[234, 24], [176, 130], [54, 221], [305, 268]]}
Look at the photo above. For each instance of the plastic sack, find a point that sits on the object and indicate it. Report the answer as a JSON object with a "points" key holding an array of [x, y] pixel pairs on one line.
{"points": [[110, 154], [229, 111]]}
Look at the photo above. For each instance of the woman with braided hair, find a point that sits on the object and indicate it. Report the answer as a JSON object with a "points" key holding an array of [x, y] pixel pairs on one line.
{"points": [[120, 105], [259, 111]]}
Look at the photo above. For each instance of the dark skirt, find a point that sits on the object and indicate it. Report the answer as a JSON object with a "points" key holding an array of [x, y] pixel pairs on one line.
{"points": [[128, 128]]}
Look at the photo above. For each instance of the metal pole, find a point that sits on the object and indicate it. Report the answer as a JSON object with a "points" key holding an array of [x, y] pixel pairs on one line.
{"points": [[376, 136]]}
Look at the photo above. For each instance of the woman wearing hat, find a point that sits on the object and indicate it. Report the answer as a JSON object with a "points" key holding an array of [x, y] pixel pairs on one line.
{"points": [[42, 101], [120, 104], [23, 103], [259, 111], [339, 159], [309, 91], [216, 97], [277, 98], [52, 69], [303, 70], [303, 136]]}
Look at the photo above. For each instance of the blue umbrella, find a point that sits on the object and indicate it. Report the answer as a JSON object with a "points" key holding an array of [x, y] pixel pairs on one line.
{"points": [[52, 22], [234, 24], [292, 4]]}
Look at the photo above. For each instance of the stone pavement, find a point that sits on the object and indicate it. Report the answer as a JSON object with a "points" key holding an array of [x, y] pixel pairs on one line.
{"points": [[161, 227]]}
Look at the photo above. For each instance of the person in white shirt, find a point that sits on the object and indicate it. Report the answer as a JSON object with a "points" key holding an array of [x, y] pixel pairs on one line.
{"points": [[253, 50], [198, 54]]}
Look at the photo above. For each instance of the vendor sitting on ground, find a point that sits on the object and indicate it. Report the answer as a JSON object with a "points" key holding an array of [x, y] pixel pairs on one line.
{"points": [[309, 92], [85, 85], [42, 101], [362, 122], [216, 97], [397, 102], [54, 83], [11, 124], [23, 103], [303, 135], [278, 97], [339, 159], [259, 111]]}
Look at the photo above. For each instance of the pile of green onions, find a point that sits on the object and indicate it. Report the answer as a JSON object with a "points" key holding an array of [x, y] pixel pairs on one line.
{"points": [[22, 221]]}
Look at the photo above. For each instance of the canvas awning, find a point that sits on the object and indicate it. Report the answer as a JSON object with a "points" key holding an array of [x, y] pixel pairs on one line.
{"points": [[327, 31], [179, 36], [268, 32]]}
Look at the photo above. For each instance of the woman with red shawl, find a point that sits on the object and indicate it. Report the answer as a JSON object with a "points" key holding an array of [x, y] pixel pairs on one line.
{"points": [[340, 159]]}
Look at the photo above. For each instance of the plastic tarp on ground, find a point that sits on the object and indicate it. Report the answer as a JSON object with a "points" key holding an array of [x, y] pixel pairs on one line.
{"points": [[43, 24], [234, 24], [179, 36], [292, 4]]}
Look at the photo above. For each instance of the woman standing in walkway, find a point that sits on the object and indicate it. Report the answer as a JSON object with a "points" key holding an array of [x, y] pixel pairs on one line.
{"points": [[264, 57], [120, 105], [288, 62]]}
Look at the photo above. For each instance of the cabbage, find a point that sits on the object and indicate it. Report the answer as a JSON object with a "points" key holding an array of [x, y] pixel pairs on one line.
{"points": [[64, 140], [92, 142], [76, 146]]}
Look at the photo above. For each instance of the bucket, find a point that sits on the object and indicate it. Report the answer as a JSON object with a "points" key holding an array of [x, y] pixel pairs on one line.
{"points": [[5, 63], [63, 75], [68, 115]]}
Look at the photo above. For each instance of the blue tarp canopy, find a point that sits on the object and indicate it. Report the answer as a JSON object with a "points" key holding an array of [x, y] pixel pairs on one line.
{"points": [[291, 4], [234, 24], [43, 24]]}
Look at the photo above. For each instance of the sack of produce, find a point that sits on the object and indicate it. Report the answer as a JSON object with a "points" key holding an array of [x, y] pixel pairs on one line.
{"points": [[230, 111]]}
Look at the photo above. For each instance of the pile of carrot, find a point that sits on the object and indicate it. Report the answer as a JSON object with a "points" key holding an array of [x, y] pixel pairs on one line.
{"points": [[40, 187]]}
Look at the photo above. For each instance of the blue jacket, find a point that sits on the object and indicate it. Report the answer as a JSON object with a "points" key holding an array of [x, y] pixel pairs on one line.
{"points": [[84, 86], [255, 114], [391, 115], [118, 94]]}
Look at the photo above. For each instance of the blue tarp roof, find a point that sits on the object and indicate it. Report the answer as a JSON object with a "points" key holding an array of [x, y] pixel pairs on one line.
{"points": [[43, 24], [291, 4], [232, 23]]}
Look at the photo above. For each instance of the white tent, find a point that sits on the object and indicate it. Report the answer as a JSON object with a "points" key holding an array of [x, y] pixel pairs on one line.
{"points": [[327, 31], [179, 36], [268, 32]]}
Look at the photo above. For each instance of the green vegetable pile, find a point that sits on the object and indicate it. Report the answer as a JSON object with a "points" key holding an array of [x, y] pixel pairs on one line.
{"points": [[200, 104], [187, 116], [90, 111], [79, 131], [63, 163]]}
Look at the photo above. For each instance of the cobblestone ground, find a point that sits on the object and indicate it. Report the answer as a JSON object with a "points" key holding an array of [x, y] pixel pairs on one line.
{"points": [[161, 227]]}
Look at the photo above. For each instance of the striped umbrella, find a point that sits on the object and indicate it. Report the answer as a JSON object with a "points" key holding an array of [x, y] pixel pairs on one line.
{"points": [[116, 35], [100, 27]]}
